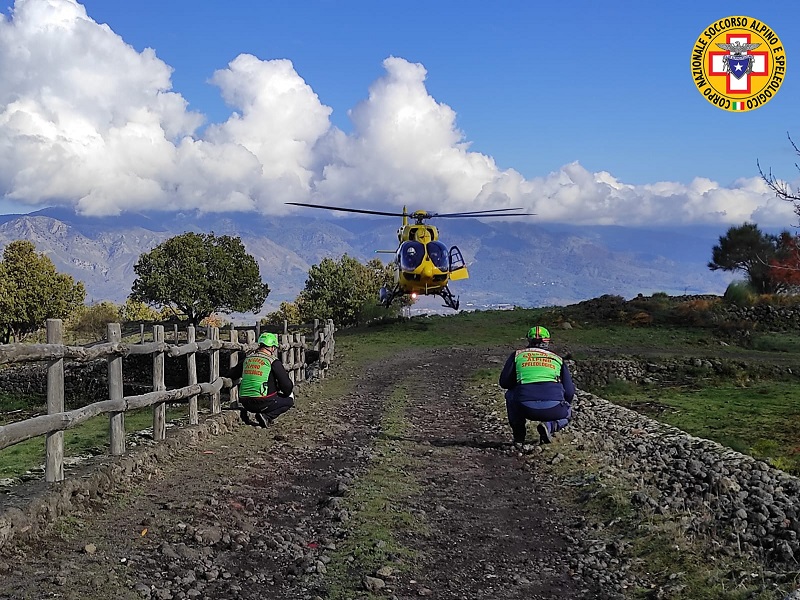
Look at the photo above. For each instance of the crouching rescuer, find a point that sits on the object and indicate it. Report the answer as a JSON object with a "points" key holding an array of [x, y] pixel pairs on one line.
{"points": [[265, 387], [540, 388]]}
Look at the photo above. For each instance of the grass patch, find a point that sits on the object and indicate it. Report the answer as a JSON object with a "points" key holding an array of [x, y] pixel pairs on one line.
{"points": [[687, 569], [88, 437], [781, 342], [464, 329], [375, 503], [10, 403], [621, 337]]}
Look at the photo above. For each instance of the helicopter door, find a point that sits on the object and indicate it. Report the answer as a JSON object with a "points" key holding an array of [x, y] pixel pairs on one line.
{"points": [[458, 268]]}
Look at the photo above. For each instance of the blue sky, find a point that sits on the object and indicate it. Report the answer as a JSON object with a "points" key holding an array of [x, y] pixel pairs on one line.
{"points": [[588, 106]]}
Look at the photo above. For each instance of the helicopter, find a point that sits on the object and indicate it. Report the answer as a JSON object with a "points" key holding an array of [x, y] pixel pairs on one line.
{"points": [[422, 263]]}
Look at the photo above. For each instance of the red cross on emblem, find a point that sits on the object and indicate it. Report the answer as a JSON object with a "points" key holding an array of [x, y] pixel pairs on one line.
{"points": [[738, 64]]}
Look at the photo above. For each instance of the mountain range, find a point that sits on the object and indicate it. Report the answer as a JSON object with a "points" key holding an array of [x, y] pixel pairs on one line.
{"points": [[510, 262]]}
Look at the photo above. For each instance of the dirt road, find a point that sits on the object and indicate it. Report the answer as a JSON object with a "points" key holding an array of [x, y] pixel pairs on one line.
{"points": [[386, 483]]}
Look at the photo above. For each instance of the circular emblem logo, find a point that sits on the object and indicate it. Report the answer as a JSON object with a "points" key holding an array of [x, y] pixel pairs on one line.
{"points": [[738, 63]]}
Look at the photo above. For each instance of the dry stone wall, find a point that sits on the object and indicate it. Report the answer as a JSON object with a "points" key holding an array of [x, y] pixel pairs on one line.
{"points": [[742, 502], [595, 374], [769, 318]]}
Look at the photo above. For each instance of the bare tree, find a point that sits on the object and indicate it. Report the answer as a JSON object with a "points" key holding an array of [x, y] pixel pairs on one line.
{"points": [[791, 248], [779, 186]]}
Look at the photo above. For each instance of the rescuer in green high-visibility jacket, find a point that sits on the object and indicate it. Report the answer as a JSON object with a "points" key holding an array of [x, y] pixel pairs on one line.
{"points": [[265, 387], [540, 388]]}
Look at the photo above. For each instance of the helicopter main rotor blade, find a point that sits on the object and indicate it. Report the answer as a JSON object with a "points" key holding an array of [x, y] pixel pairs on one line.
{"points": [[353, 210], [495, 212], [480, 215], [477, 212]]}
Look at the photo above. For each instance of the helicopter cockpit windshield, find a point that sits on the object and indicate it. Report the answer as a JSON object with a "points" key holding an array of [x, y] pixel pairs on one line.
{"points": [[437, 252], [411, 255]]}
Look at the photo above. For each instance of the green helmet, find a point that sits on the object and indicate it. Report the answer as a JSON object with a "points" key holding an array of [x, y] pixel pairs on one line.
{"points": [[268, 339], [539, 333]]}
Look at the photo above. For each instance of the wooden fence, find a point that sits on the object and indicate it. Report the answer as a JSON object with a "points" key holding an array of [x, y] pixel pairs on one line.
{"points": [[292, 352]]}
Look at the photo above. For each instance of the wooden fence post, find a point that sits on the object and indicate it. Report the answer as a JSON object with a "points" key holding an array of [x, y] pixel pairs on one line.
{"points": [[251, 335], [258, 329], [302, 358], [234, 361], [330, 347], [159, 410], [191, 365], [54, 457], [214, 370], [285, 356], [141, 333], [321, 342], [298, 364], [115, 392], [175, 334]]}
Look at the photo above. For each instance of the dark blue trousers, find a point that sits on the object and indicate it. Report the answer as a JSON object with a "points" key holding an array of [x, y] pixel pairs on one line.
{"points": [[554, 414]]}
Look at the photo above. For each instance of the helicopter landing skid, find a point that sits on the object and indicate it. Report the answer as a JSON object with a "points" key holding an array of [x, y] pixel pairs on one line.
{"points": [[450, 301]]}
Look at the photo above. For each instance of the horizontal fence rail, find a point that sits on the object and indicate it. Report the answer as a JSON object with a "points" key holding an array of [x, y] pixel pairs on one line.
{"points": [[292, 353]]}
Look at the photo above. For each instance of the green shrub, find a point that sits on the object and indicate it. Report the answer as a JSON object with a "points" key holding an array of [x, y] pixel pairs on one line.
{"points": [[740, 293]]}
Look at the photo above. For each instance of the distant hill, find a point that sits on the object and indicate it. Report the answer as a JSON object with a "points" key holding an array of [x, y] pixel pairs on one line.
{"points": [[524, 264]]}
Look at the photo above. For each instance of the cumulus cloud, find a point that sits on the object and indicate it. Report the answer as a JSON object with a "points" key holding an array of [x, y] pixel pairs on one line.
{"points": [[88, 121]]}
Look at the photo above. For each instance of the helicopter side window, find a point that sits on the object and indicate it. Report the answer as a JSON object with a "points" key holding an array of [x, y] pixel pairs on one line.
{"points": [[411, 255], [437, 252]]}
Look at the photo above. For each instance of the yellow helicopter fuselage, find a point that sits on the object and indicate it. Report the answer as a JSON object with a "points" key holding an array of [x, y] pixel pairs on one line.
{"points": [[423, 264]]}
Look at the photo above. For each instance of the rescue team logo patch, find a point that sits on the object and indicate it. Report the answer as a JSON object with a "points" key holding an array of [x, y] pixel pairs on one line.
{"points": [[738, 63]]}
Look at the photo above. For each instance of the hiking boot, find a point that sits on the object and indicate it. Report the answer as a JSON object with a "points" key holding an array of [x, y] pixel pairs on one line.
{"points": [[245, 417], [545, 436], [262, 422]]}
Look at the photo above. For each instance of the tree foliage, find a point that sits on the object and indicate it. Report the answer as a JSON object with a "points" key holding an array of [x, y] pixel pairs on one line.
{"points": [[93, 320], [785, 267], [32, 291], [215, 320], [746, 248], [134, 310], [287, 311], [199, 274], [343, 290]]}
